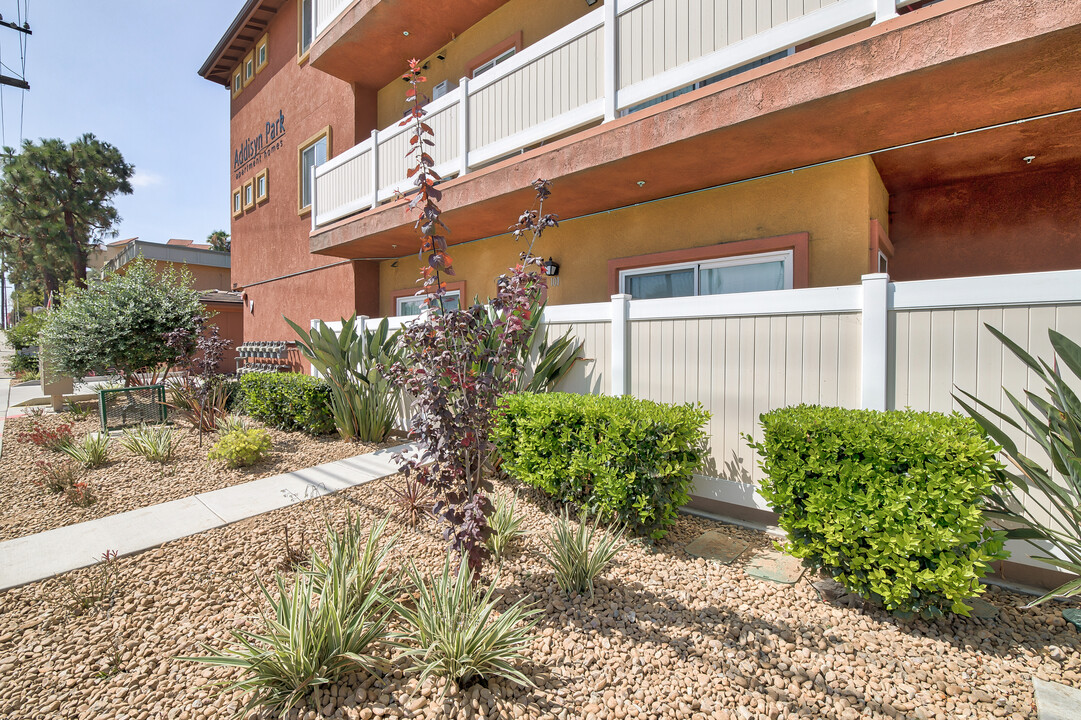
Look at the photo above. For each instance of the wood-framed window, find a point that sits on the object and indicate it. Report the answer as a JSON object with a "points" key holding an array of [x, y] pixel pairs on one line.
{"points": [[262, 52], [774, 263], [312, 153], [238, 202], [249, 195], [494, 55], [305, 29], [408, 303], [238, 80], [262, 186], [249, 67]]}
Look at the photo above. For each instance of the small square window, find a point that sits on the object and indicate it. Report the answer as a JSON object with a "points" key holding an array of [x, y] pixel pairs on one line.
{"points": [[249, 195], [262, 187], [238, 81], [249, 67], [238, 203], [262, 56]]}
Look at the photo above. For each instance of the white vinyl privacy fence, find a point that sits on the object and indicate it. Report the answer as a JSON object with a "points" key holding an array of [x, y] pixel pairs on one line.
{"points": [[878, 345]]}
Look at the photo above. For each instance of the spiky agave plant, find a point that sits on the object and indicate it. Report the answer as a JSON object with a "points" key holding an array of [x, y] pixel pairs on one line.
{"points": [[90, 452], [455, 632], [156, 443]]}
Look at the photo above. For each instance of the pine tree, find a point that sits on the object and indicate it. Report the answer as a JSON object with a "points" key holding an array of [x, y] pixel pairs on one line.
{"points": [[219, 240], [56, 205]]}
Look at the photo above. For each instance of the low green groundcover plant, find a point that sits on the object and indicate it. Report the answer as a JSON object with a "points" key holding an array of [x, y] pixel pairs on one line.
{"points": [[290, 401], [241, 448], [888, 503], [624, 458]]}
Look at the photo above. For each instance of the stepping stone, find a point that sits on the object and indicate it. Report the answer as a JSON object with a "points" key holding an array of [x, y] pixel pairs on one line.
{"points": [[1055, 701], [714, 545], [982, 609], [1073, 616], [775, 566]]}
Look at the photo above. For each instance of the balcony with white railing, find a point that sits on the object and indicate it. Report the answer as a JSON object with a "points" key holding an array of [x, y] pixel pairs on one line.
{"points": [[593, 70]]}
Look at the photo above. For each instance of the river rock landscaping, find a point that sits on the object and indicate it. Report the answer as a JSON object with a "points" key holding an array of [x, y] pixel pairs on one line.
{"points": [[130, 481], [667, 635]]}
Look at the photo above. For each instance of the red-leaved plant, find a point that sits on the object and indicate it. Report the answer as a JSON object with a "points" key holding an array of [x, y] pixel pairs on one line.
{"points": [[458, 362], [52, 438]]}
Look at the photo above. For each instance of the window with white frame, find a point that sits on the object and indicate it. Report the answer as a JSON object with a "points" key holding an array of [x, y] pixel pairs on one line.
{"points": [[414, 304], [741, 273], [501, 57]]}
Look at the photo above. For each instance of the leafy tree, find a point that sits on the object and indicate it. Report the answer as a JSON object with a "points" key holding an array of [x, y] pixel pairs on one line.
{"points": [[56, 205], [118, 324], [219, 240]]}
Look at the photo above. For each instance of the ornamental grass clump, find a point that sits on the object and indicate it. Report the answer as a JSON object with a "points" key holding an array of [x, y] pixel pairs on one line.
{"points": [[241, 448], [231, 423], [90, 452], [506, 526], [156, 443], [329, 622], [454, 631], [890, 504], [578, 554]]}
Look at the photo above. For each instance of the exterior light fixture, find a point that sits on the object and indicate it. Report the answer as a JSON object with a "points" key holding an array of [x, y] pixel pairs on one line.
{"points": [[441, 55], [405, 33], [1028, 159], [551, 268], [641, 183]]}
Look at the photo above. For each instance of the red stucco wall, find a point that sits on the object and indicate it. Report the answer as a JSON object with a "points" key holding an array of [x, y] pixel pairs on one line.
{"points": [[1004, 223], [270, 241]]}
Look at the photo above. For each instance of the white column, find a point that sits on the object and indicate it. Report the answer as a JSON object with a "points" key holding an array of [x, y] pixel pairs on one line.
{"points": [[621, 307], [375, 167], [611, 77], [463, 125], [314, 207], [874, 346], [885, 9]]}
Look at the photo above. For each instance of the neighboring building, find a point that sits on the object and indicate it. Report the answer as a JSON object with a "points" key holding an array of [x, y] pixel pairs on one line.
{"points": [[694, 147], [97, 258], [209, 268]]}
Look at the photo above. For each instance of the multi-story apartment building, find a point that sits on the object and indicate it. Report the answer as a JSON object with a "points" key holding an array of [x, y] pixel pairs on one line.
{"points": [[695, 146]]}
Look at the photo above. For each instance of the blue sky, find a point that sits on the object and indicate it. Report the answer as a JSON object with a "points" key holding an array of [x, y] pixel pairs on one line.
{"points": [[126, 70]]}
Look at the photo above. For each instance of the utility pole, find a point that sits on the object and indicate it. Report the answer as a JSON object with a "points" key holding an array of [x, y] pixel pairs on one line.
{"points": [[12, 80]]}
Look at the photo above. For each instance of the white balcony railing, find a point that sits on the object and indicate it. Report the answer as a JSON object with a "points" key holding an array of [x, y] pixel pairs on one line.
{"points": [[618, 56]]}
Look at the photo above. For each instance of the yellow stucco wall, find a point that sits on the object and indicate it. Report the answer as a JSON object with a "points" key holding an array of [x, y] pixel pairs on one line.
{"points": [[833, 203], [536, 20], [203, 277]]}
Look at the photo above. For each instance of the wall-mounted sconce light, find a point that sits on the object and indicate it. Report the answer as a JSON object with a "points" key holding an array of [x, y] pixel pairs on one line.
{"points": [[442, 54], [551, 268]]}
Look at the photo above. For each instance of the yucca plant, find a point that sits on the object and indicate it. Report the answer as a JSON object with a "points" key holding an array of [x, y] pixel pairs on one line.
{"points": [[364, 403], [579, 554], [156, 443], [355, 559], [454, 631], [331, 622], [506, 525], [90, 452], [229, 423], [1054, 423]]}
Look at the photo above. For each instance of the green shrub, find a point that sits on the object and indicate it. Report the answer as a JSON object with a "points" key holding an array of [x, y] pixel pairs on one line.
{"points": [[290, 401], [578, 554], [888, 503], [24, 334], [624, 458], [241, 448]]}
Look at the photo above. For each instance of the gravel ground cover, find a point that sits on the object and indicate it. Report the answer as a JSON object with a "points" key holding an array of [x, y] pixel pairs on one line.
{"points": [[666, 636], [129, 481]]}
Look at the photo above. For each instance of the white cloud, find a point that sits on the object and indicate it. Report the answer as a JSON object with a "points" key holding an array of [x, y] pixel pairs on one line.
{"points": [[143, 179]]}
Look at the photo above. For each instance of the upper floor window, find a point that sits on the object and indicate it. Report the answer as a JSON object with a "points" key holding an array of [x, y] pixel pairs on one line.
{"points": [[305, 29], [238, 81], [741, 273], [262, 53], [249, 67], [501, 57], [312, 154]]}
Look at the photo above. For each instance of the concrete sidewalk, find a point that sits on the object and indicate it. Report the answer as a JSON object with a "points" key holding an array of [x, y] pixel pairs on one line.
{"points": [[36, 557]]}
